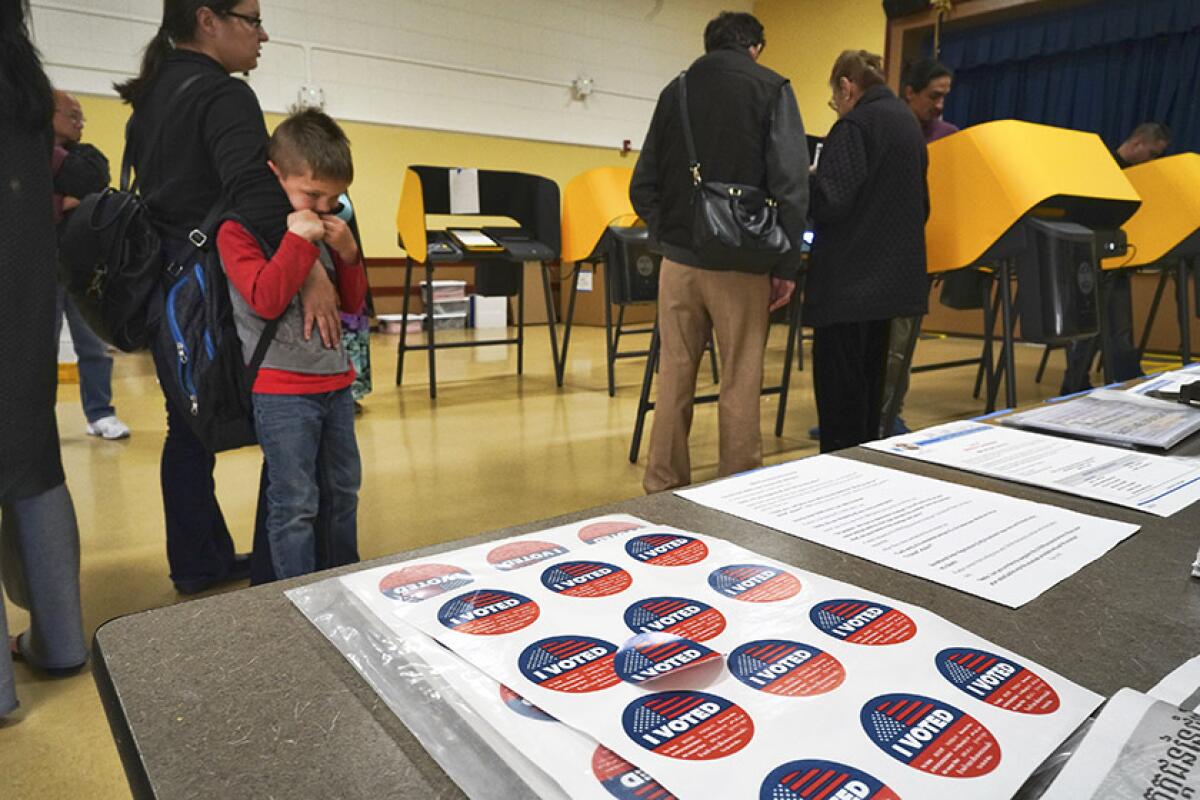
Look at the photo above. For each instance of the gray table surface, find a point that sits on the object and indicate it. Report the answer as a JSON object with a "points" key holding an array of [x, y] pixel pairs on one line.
{"points": [[236, 695]]}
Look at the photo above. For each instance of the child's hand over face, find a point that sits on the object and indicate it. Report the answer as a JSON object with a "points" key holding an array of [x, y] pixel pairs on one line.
{"points": [[307, 225], [340, 238]]}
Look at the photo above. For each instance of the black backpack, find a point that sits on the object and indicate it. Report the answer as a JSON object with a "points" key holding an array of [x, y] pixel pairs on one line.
{"points": [[196, 347], [110, 254]]}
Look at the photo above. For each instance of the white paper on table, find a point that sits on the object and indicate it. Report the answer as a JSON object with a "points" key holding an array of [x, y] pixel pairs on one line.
{"points": [[1167, 381], [1000, 548], [464, 191], [1113, 416], [1181, 687], [829, 677], [1138, 747], [1159, 485]]}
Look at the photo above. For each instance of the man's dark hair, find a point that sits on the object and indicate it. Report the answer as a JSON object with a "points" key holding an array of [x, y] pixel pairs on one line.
{"points": [[733, 29], [920, 74], [309, 140], [1152, 132]]}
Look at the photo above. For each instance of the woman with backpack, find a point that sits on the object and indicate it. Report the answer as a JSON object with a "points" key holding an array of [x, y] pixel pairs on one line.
{"points": [[199, 143], [39, 540]]}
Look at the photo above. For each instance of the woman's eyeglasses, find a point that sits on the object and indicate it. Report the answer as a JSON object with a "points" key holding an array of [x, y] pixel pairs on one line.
{"points": [[253, 22]]}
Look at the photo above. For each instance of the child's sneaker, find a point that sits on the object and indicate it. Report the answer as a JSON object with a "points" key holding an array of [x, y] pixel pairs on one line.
{"points": [[108, 428]]}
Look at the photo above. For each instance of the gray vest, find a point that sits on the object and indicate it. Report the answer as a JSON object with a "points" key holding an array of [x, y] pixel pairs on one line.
{"points": [[289, 351]]}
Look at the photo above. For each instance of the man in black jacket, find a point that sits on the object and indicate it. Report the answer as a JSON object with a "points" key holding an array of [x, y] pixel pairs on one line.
{"points": [[747, 129]]}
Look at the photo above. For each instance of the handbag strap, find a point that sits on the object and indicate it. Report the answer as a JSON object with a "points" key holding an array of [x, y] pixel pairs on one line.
{"points": [[168, 110], [685, 122]]}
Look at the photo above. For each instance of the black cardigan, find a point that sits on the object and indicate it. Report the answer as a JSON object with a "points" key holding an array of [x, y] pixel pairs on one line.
{"points": [[214, 144], [869, 206]]}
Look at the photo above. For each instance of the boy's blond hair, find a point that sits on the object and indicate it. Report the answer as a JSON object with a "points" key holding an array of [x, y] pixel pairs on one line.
{"points": [[309, 140]]}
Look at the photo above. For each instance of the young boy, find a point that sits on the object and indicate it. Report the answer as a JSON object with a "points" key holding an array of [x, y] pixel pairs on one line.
{"points": [[303, 410]]}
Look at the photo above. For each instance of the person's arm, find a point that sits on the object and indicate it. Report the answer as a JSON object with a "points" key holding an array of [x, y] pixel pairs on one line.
{"points": [[235, 137], [644, 191], [841, 174], [348, 263], [266, 284], [787, 176]]}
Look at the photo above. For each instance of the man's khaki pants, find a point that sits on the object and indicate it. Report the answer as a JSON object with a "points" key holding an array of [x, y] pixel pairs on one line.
{"points": [[691, 303]]}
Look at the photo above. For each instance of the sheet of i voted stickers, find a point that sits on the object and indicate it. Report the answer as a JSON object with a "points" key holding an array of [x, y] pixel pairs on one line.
{"points": [[720, 672]]}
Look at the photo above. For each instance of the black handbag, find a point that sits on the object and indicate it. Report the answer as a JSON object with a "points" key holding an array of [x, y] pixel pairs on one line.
{"points": [[733, 224]]}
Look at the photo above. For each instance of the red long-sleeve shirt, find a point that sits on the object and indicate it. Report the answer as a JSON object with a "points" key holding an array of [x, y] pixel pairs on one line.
{"points": [[268, 286]]}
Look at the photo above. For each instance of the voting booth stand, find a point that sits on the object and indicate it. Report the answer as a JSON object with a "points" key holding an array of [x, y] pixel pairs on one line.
{"points": [[1033, 202], [599, 226], [1164, 234], [498, 253]]}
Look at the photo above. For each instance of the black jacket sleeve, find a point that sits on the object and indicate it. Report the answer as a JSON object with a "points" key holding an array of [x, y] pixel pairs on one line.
{"points": [[841, 175], [644, 190], [235, 136], [787, 176]]}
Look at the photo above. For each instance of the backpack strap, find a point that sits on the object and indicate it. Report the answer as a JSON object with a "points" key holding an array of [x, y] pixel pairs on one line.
{"points": [[168, 111], [685, 121]]}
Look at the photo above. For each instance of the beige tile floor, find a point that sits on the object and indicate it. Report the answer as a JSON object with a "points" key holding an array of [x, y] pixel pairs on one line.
{"points": [[493, 450]]}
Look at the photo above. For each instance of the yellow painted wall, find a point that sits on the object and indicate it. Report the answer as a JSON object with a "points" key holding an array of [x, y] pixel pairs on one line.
{"points": [[382, 153], [804, 37]]}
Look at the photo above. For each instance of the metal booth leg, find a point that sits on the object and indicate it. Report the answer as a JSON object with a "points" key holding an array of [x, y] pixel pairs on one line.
{"points": [[552, 324], [562, 366], [431, 325], [1163, 277], [644, 404], [408, 265], [610, 342], [1182, 308], [794, 311], [520, 319]]}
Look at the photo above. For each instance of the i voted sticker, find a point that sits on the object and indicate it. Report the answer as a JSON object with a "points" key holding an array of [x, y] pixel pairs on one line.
{"points": [[488, 612], [623, 780], [997, 681], [572, 664], [863, 622], [681, 616], [521, 706], [754, 583], [786, 668], [691, 726], [654, 655], [586, 579], [515, 555], [603, 531], [814, 779], [930, 736], [666, 549], [423, 581]]}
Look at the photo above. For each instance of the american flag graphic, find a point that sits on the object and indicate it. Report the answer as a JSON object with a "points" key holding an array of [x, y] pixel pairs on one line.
{"points": [[725, 578], [551, 651], [888, 717], [654, 608], [813, 779], [964, 666]]}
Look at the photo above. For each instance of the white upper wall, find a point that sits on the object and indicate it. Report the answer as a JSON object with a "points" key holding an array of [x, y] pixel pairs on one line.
{"points": [[498, 67]]}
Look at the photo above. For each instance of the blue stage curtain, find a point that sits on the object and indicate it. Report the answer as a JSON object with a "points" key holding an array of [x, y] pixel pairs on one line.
{"points": [[1103, 67]]}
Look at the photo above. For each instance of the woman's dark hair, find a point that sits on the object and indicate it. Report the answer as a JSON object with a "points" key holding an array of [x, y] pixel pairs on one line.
{"points": [[860, 67], [920, 74], [25, 92], [733, 29], [178, 25]]}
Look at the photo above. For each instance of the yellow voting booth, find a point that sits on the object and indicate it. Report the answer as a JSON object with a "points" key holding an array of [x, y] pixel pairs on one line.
{"points": [[987, 181], [1165, 232]]}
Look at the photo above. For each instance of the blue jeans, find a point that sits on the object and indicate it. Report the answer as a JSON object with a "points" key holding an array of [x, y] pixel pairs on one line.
{"points": [[312, 455], [95, 364]]}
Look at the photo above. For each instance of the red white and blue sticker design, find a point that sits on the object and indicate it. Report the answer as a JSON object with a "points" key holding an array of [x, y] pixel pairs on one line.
{"points": [[680, 616], [654, 655], [786, 668], [691, 726], [423, 581], [603, 531], [623, 780], [586, 579], [930, 736], [863, 622], [667, 549], [572, 664], [754, 583], [522, 706], [516, 555], [488, 612], [997, 681], [813, 779]]}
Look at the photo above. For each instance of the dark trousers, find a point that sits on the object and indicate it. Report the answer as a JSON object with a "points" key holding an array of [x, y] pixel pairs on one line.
{"points": [[849, 363], [1118, 342]]}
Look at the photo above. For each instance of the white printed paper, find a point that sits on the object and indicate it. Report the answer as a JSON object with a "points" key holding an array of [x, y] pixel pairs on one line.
{"points": [[1182, 687], [818, 684], [1113, 416], [1167, 381], [1159, 485], [464, 191], [989, 545]]}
